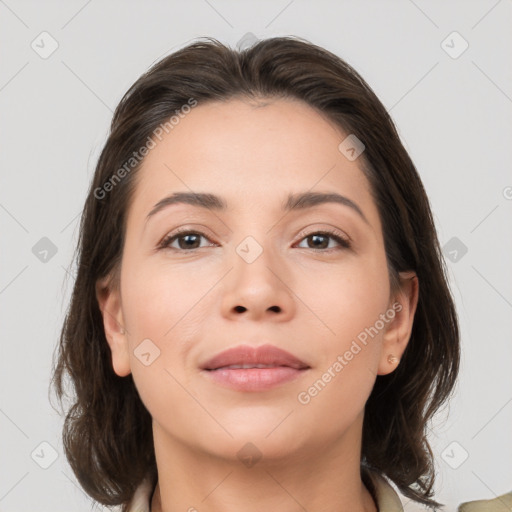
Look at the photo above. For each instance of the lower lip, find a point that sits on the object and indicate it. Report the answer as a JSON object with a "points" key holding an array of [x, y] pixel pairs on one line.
{"points": [[254, 379]]}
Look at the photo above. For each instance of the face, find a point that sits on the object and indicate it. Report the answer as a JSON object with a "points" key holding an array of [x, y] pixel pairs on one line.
{"points": [[308, 277]]}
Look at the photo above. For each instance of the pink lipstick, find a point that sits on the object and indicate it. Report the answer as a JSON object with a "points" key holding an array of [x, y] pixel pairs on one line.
{"points": [[246, 368]]}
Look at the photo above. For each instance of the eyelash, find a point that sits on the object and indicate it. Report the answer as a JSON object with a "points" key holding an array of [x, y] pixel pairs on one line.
{"points": [[342, 241]]}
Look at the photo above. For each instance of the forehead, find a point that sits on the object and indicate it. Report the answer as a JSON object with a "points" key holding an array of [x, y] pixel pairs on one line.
{"points": [[251, 152]]}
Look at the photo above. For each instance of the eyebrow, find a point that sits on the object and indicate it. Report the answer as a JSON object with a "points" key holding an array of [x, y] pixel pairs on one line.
{"points": [[294, 202]]}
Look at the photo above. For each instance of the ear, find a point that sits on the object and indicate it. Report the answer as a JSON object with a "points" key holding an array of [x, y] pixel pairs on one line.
{"points": [[109, 300], [399, 329]]}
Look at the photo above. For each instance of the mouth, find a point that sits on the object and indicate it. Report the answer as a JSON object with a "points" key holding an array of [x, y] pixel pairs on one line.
{"points": [[246, 368], [245, 357]]}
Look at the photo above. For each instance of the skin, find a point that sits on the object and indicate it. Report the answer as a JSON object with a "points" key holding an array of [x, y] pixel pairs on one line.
{"points": [[254, 154]]}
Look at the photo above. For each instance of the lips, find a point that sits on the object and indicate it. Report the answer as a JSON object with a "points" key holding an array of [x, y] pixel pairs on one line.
{"points": [[254, 369], [245, 357]]}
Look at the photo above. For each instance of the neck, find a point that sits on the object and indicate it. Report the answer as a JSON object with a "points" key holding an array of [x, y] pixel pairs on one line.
{"points": [[326, 479]]}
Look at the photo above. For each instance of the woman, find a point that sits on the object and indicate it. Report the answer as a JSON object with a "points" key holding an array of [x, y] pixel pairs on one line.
{"points": [[261, 316]]}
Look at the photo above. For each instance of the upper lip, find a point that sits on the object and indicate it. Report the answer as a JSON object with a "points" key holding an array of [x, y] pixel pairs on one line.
{"points": [[245, 354]]}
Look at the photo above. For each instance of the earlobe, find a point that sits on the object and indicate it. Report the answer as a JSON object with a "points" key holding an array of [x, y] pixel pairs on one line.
{"points": [[109, 302], [399, 330]]}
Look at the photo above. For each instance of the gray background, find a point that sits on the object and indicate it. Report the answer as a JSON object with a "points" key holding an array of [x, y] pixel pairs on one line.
{"points": [[452, 109]]}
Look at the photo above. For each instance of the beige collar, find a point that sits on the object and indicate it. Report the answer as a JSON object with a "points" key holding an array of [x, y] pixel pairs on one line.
{"points": [[386, 497]]}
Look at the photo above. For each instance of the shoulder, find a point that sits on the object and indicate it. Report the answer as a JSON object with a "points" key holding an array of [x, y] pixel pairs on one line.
{"points": [[388, 500], [501, 503]]}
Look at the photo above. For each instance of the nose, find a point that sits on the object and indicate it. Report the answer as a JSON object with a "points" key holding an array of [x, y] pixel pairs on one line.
{"points": [[259, 289]]}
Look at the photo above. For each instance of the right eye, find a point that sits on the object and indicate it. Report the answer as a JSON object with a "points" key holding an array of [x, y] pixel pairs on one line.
{"points": [[187, 240]]}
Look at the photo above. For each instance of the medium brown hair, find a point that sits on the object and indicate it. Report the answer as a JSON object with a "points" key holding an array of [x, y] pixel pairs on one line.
{"points": [[107, 434]]}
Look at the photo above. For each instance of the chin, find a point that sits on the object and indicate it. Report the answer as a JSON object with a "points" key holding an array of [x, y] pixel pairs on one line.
{"points": [[251, 447]]}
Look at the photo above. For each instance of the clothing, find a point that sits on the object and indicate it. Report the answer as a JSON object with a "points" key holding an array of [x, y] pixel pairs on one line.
{"points": [[141, 501], [386, 497], [501, 503]]}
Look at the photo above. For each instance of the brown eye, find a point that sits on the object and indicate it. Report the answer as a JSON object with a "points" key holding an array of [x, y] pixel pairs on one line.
{"points": [[320, 240], [187, 240]]}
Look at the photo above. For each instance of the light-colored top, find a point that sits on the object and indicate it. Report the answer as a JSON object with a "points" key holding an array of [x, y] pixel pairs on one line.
{"points": [[387, 498], [501, 503]]}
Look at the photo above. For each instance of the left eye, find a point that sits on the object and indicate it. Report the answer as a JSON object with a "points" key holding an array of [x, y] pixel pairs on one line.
{"points": [[321, 238]]}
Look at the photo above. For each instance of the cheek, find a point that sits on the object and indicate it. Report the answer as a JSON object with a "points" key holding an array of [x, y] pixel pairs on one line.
{"points": [[347, 299], [162, 308], [350, 304], [159, 299]]}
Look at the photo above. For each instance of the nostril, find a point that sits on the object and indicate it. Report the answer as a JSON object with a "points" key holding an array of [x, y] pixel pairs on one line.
{"points": [[241, 309]]}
